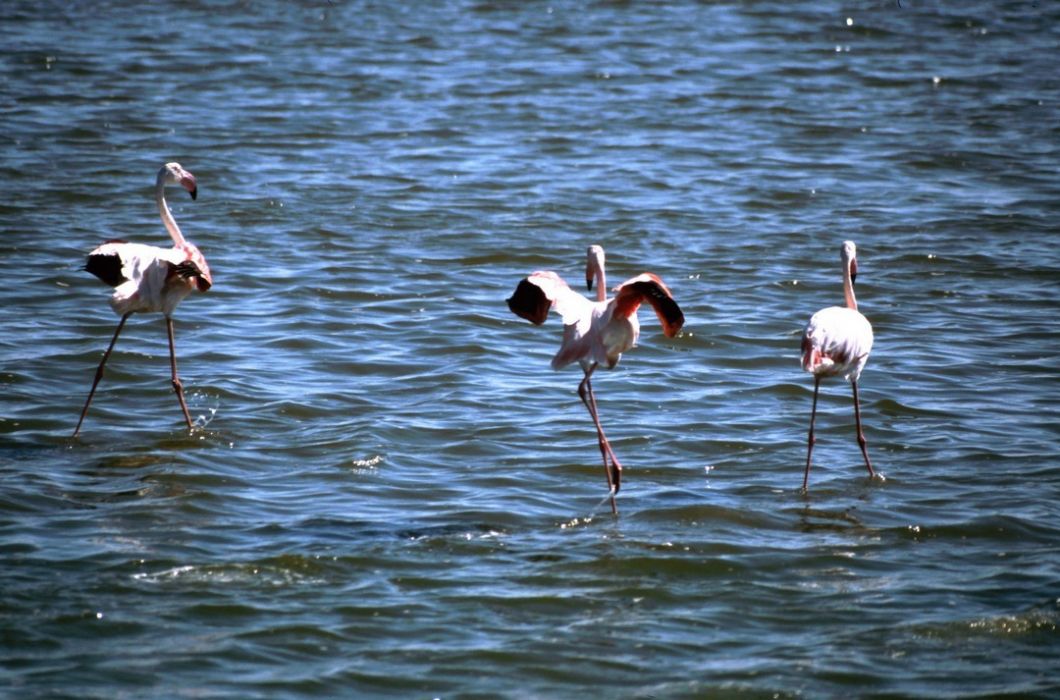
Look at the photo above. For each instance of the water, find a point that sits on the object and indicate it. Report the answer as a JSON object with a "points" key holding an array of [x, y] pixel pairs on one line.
{"points": [[390, 494]]}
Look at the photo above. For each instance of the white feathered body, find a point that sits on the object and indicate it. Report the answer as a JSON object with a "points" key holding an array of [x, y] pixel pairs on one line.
{"points": [[592, 334], [145, 277], [837, 342]]}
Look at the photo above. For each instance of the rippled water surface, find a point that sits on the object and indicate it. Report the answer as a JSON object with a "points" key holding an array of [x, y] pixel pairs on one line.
{"points": [[389, 493]]}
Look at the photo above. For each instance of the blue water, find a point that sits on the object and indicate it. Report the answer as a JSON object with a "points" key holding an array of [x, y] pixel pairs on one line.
{"points": [[389, 493]]}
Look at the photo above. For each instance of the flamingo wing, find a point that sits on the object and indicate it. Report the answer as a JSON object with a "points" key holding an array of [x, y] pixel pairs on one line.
{"points": [[542, 291], [647, 287], [105, 263]]}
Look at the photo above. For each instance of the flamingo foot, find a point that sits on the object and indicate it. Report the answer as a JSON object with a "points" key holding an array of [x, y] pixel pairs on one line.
{"points": [[609, 497]]}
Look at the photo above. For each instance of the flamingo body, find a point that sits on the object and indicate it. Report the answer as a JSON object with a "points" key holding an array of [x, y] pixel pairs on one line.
{"points": [[149, 279], [836, 343], [596, 333], [146, 278]]}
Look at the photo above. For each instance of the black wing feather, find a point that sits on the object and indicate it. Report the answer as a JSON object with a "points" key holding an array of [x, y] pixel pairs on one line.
{"points": [[529, 302], [107, 268]]}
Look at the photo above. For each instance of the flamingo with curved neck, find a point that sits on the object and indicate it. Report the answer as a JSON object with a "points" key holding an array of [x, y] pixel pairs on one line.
{"points": [[597, 332], [149, 279]]}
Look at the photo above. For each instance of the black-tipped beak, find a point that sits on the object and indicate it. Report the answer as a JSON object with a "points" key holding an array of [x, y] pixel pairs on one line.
{"points": [[188, 183], [589, 283], [853, 271]]}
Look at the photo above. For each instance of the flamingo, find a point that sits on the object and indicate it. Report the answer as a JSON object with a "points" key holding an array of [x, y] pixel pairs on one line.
{"points": [[150, 279], [837, 342], [597, 332]]}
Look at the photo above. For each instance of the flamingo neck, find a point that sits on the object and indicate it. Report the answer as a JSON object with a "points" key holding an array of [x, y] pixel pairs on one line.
{"points": [[601, 283], [848, 288], [167, 216]]}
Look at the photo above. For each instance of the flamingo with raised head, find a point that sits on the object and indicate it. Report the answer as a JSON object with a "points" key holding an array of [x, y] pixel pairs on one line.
{"points": [[597, 332], [837, 342], [150, 279]]}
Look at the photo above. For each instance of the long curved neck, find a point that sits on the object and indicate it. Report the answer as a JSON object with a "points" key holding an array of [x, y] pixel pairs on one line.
{"points": [[848, 286], [163, 211], [601, 283]]}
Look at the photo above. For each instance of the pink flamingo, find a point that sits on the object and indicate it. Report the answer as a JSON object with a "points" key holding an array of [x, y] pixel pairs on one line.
{"points": [[150, 279], [837, 342], [596, 333]]}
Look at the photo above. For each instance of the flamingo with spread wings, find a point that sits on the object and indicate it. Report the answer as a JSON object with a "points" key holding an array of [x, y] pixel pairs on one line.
{"points": [[150, 279], [596, 333], [837, 342]]}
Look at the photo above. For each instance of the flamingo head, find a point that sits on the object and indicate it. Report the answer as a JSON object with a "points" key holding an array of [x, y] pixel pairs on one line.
{"points": [[849, 253], [175, 174], [594, 266]]}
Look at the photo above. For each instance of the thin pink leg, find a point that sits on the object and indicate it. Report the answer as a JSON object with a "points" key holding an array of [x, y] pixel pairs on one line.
{"points": [[99, 372], [177, 386], [585, 391], [861, 434], [616, 467], [811, 440]]}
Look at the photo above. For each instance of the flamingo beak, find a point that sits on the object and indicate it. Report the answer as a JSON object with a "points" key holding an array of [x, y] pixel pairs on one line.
{"points": [[188, 183], [853, 271]]}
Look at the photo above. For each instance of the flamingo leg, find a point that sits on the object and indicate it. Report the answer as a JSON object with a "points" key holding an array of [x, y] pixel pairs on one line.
{"points": [[612, 470], [99, 372], [177, 386], [605, 446], [811, 440], [593, 411], [862, 443]]}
